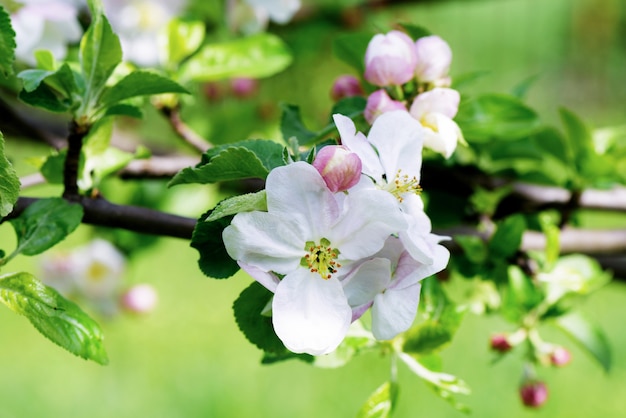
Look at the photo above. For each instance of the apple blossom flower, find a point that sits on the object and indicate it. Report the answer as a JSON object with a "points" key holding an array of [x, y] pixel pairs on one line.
{"points": [[346, 86], [378, 103], [311, 237], [49, 25], [252, 16], [140, 298], [340, 168], [534, 393], [434, 57], [98, 269], [560, 356], [390, 59], [435, 109], [391, 156], [279, 11], [395, 306]]}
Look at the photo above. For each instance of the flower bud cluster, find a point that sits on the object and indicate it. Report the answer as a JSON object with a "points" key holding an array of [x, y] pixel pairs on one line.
{"points": [[414, 75]]}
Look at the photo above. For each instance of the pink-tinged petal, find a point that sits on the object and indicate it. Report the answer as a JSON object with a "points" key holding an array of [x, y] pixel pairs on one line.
{"points": [[378, 103], [268, 279], [409, 271], [394, 311], [366, 281], [438, 100], [434, 57], [370, 217], [357, 143], [339, 167], [390, 59], [310, 315], [358, 311], [265, 240], [346, 86], [398, 138], [298, 191]]}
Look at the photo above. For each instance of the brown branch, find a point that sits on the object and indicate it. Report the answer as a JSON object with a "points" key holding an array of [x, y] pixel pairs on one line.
{"points": [[101, 212], [184, 131], [72, 160]]}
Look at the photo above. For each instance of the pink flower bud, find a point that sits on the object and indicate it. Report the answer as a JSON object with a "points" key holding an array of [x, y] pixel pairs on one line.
{"points": [[244, 87], [141, 298], [346, 86], [434, 57], [378, 103], [500, 343], [560, 356], [390, 59], [340, 168], [534, 394]]}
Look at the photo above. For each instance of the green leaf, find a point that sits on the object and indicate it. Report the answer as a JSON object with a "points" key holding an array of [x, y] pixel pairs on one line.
{"points": [[415, 31], [257, 56], [58, 319], [52, 168], [257, 327], [243, 203], [291, 125], [553, 238], [139, 83], [351, 49], [520, 296], [100, 52], [7, 43], [473, 246], [522, 88], [496, 117], [214, 259], [124, 109], [45, 223], [508, 236], [349, 106], [44, 97], [241, 160], [9, 183], [380, 403], [32, 78], [588, 335], [183, 38]]}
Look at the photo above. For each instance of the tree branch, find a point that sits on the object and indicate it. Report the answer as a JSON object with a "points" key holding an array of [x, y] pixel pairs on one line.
{"points": [[72, 160]]}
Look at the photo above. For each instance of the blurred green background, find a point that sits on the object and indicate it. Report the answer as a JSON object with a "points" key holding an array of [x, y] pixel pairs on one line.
{"points": [[188, 359]]}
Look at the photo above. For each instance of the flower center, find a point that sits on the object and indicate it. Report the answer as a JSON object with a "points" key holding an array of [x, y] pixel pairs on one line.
{"points": [[402, 184], [321, 258]]}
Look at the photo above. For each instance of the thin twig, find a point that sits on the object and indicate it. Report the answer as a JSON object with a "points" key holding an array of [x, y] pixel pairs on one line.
{"points": [[184, 131]]}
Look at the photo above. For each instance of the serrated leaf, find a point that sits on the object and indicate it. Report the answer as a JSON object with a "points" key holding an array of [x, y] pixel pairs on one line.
{"points": [[291, 125], [588, 336], [9, 183], [257, 328], [58, 319], [380, 403], [7, 43], [351, 49], [257, 56], [508, 236], [139, 83], [214, 259], [243, 203], [44, 224]]}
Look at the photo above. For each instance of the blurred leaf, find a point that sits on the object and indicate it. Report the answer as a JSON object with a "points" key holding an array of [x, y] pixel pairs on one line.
{"points": [[496, 117], [473, 246], [466, 79], [58, 319], [520, 296], [214, 259], [380, 403], [52, 168], [574, 273], [32, 78], [486, 201], [522, 88], [257, 328], [9, 183], [44, 224], [7, 43], [247, 159], [257, 56], [415, 31], [124, 109], [242, 203], [183, 37], [351, 49], [45, 60], [349, 106], [588, 335], [291, 125], [139, 83], [44, 97], [508, 236], [553, 238]]}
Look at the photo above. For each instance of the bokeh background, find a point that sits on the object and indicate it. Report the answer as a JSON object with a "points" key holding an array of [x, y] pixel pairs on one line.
{"points": [[188, 359]]}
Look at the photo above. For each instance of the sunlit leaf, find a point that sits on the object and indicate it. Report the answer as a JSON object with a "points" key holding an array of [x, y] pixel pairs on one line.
{"points": [[589, 336], [7, 43], [380, 403], [242, 203], [9, 183], [139, 83]]}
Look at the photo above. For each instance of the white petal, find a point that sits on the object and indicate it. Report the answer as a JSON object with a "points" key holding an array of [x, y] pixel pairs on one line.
{"points": [[443, 135], [265, 240], [394, 311], [398, 138], [366, 281], [298, 191], [357, 143], [310, 315], [267, 279]]}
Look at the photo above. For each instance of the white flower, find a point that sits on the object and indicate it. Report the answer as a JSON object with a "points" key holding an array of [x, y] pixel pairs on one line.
{"points": [[311, 237], [435, 109], [391, 157], [279, 11], [49, 25], [98, 268]]}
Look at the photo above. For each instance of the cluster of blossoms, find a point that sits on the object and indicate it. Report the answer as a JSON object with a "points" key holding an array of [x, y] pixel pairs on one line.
{"points": [[343, 235], [411, 76], [93, 274]]}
